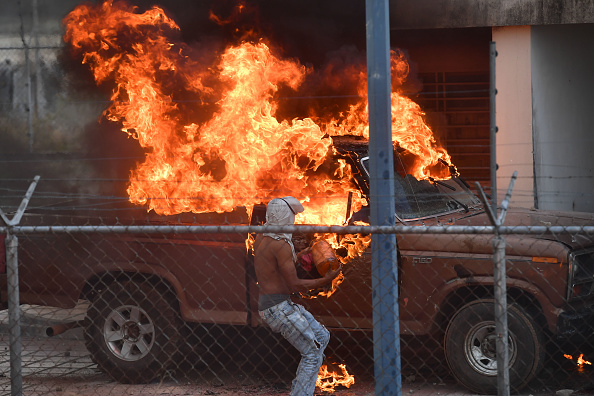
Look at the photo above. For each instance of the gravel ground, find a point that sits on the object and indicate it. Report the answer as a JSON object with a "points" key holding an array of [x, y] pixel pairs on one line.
{"points": [[61, 366]]}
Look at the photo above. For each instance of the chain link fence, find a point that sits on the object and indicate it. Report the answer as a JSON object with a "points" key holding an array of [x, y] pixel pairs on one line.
{"points": [[144, 308]]}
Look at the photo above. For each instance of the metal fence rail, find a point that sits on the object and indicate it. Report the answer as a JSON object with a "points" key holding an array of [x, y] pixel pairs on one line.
{"points": [[199, 278]]}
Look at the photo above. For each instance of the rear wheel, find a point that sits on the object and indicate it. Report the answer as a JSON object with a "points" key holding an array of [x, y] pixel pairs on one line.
{"points": [[132, 332], [470, 347]]}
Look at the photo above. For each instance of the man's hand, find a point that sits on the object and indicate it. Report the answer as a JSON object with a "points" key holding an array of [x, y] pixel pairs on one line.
{"points": [[331, 274]]}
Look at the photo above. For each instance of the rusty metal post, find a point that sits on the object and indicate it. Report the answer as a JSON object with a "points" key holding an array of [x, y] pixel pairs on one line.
{"points": [[492, 102], [14, 316], [14, 309], [499, 273]]}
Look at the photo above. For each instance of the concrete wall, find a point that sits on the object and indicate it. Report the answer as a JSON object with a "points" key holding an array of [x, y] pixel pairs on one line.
{"points": [[404, 14], [430, 14], [563, 96], [53, 115], [40, 15], [514, 113]]}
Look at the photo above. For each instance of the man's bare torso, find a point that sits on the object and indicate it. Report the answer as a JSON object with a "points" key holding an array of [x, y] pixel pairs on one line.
{"points": [[270, 256]]}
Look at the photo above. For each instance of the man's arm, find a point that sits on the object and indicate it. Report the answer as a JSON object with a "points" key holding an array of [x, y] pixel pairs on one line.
{"points": [[287, 268]]}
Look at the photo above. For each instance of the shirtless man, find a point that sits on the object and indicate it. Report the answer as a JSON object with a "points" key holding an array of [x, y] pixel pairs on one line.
{"points": [[277, 277]]}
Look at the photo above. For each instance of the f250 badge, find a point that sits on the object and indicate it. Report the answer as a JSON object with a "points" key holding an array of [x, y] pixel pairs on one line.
{"points": [[422, 260]]}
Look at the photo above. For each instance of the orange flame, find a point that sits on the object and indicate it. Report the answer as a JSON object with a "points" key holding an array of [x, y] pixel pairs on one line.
{"points": [[328, 380], [409, 129], [225, 148], [353, 245], [240, 156], [580, 362]]}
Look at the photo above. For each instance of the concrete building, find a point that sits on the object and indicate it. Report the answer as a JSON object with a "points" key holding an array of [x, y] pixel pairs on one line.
{"points": [[545, 90]]}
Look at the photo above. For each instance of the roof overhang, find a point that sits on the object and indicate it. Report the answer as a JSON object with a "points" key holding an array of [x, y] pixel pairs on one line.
{"points": [[435, 14]]}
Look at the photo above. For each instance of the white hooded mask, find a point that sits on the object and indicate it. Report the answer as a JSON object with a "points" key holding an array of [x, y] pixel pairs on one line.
{"points": [[282, 211]]}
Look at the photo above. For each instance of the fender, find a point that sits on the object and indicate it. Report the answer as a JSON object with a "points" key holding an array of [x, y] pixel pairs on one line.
{"points": [[140, 268], [550, 312]]}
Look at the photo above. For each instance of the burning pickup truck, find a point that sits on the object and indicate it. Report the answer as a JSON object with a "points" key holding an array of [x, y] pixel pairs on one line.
{"points": [[143, 288]]}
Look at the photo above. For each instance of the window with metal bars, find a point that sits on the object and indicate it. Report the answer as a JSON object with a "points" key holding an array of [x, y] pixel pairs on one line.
{"points": [[458, 111]]}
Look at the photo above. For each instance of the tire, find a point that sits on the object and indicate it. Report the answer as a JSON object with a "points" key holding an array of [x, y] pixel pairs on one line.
{"points": [[132, 332], [470, 347]]}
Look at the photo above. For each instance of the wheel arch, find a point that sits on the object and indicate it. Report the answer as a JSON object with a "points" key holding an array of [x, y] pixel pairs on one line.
{"points": [[166, 284], [466, 293]]}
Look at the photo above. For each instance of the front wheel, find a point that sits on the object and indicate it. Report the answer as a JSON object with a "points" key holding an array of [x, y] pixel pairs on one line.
{"points": [[131, 332], [470, 347]]}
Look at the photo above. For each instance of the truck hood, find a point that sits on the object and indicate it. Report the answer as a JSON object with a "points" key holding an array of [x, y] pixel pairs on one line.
{"points": [[532, 217]]}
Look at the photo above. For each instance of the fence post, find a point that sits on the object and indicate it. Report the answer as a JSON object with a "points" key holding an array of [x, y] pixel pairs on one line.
{"points": [[384, 274], [14, 309], [499, 273], [14, 315]]}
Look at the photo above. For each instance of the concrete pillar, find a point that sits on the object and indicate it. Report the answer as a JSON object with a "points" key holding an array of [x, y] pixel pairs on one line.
{"points": [[514, 113]]}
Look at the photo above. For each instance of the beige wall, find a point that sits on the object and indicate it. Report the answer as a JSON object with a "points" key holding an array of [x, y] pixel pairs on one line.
{"points": [[514, 114]]}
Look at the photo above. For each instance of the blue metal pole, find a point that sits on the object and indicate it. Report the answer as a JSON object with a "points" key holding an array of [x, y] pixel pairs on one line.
{"points": [[386, 327]]}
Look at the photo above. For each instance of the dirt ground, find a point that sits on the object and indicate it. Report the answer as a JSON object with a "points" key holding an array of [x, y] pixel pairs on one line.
{"points": [[61, 366]]}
